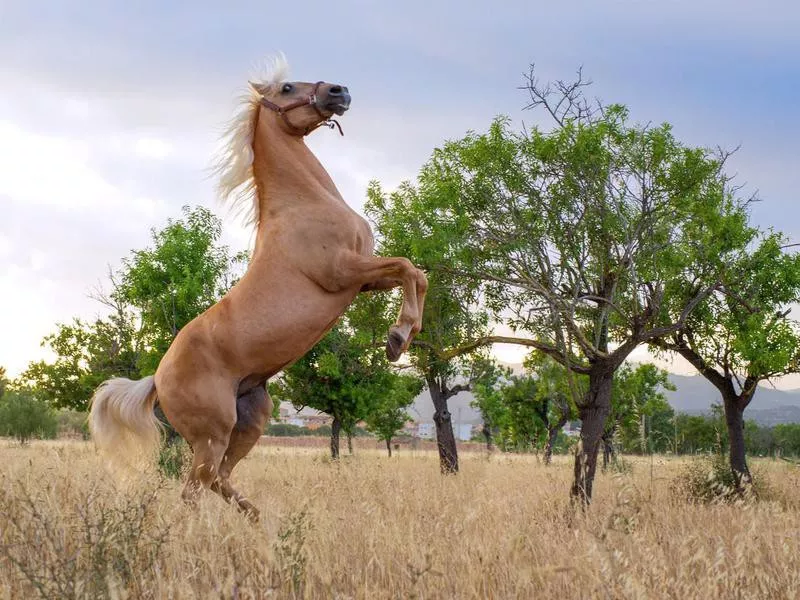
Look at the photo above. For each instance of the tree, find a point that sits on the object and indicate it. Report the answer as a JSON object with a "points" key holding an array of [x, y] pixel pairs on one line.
{"points": [[453, 313], [156, 292], [554, 394], [23, 416], [637, 397], [183, 274], [345, 375], [389, 414], [742, 334], [3, 381], [86, 355], [583, 237]]}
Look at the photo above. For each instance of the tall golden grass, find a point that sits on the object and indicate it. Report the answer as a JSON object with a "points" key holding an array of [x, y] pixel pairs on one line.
{"points": [[374, 527]]}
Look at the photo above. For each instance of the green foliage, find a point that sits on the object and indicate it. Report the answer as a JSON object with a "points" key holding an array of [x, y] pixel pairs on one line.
{"points": [[787, 438], [346, 374], [73, 423], [23, 417], [585, 231], [709, 479], [640, 413], [86, 355], [521, 409], [157, 291], [3, 381], [174, 458], [389, 414], [182, 275]]}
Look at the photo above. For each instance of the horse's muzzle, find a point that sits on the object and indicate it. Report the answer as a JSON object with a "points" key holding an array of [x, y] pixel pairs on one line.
{"points": [[338, 100]]}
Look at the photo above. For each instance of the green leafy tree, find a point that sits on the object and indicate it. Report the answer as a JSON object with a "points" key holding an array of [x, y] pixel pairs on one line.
{"points": [[637, 398], [86, 355], [156, 292], [3, 381], [582, 237], [24, 417], [182, 275], [389, 414], [787, 438], [345, 375], [453, 315], [742, 334], [696, 434], [554, 395]]}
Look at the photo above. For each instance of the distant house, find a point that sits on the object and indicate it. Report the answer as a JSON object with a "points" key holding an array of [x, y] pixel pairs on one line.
{"points": [[426, 430], [463, 431]]}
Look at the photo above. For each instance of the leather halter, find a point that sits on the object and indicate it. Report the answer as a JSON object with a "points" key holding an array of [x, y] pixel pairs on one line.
{"points": [[310, 100]]}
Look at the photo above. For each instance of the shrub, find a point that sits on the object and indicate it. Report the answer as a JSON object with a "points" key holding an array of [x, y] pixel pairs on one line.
{"points": [[73, 424], [103, 545], [174, 458], [709, 479], [23, 416]]}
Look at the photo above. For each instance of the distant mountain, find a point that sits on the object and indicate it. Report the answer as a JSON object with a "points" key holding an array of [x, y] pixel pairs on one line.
{"points": [[696, 395]]}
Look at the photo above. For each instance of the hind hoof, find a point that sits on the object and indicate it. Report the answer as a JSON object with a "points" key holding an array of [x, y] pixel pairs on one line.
{"points": [[394, 346]]}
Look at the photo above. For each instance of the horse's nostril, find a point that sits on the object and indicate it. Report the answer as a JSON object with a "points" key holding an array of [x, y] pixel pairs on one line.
{"points": [[336, 90]]}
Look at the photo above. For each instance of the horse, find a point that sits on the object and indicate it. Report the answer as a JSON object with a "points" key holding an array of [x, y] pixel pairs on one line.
{"points": [[312, 256]]}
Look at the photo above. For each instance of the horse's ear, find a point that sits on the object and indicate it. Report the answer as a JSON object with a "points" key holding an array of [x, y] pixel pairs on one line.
{"points": [[258, 88]]}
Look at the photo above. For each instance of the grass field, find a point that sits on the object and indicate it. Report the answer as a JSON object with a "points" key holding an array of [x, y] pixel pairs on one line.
{"points": [[373, 527]]}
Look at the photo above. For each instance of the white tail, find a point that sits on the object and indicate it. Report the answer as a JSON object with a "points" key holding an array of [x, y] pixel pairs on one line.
{"points": [[122, 421]]}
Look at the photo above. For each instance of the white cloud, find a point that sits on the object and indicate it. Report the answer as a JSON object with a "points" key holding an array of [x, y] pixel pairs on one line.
{"points": [[49, 171], [152, 148]]}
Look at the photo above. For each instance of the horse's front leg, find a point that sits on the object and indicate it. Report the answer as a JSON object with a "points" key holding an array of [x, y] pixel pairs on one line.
{"points": [[377, 273]]}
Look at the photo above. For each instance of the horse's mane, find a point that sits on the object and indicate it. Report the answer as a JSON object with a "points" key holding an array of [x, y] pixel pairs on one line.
{"points": [[234, 164]]}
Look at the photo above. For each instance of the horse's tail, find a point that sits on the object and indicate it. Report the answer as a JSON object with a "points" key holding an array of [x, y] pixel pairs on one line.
{"points": [[122, 420]]}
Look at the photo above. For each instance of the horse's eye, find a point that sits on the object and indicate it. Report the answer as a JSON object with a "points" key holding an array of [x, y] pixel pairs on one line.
{"points": [[287, 87]]}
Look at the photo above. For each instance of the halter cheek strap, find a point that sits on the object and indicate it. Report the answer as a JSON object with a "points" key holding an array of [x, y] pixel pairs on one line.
{"points": [[310, 100]]}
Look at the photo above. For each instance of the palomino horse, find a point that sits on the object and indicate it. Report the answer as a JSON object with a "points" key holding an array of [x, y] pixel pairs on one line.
{"points": [[313, 254]]}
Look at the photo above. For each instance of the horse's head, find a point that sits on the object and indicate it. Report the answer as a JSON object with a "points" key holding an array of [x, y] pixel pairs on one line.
{"points": [[300, 106]]}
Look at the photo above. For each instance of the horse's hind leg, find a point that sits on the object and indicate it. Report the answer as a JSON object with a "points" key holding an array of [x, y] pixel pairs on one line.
{"points": [[204, 413], [253, 410]]}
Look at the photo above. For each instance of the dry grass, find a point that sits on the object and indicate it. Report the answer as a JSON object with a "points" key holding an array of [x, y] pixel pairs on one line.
{"points": [[371, 527]]}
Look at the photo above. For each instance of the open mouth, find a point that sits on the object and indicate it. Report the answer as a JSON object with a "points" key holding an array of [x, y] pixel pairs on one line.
{"points": [[338, 108]]}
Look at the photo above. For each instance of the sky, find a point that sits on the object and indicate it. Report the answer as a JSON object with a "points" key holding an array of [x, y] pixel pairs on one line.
{"points": [[110, 112]]}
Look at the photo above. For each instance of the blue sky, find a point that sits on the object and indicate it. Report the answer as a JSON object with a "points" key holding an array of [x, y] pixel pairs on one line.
{"points": [[110, 111]]}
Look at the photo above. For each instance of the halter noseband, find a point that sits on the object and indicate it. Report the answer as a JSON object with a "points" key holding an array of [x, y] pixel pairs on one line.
{"points": [[310, 100]]}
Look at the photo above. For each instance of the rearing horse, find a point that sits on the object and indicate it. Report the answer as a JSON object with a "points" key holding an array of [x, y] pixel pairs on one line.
{"points": [[313, 254]]}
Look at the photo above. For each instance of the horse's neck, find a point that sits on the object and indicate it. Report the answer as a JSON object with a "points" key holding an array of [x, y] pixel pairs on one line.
{"points": [[287, 174]]}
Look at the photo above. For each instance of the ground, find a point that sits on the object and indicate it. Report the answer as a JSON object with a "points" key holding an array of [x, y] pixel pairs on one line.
{"points": [[374, 527]]}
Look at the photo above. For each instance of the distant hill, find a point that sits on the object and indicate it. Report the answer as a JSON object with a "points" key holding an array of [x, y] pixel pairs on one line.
{"points": [[770, 406]]}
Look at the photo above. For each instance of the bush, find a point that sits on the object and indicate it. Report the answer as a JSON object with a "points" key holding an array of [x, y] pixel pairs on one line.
{"points": [[710, 480], [175, 458], [73, 424], [23, 416]]}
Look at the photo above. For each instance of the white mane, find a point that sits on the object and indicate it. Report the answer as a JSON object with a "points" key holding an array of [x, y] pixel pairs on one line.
{"points": [[234, 164]]}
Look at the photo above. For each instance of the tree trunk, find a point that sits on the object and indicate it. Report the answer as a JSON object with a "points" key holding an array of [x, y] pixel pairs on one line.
{"points": [[487, 433], [552, 435], [336, 426], [445, 440], [350, 443], [734, 418], [608, 448], [389, 446], [593, 413]]}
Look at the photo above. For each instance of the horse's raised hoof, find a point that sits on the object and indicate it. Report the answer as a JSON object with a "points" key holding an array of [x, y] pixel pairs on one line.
{"points": [[394, 346]]}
